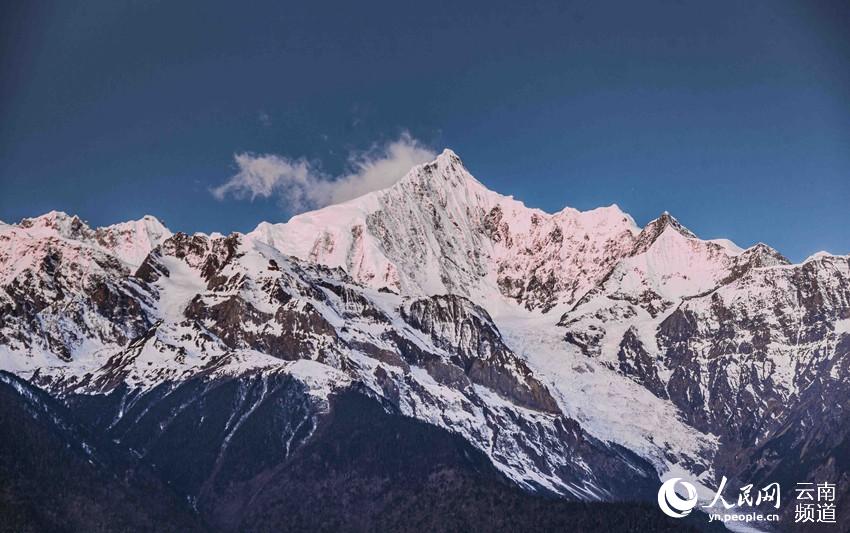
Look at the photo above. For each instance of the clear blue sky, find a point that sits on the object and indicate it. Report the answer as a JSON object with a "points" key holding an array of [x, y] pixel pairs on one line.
{"points": [[734, 116]]}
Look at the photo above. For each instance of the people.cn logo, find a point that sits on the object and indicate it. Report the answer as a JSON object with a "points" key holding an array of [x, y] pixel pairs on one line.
{"points": [[674, 505]]}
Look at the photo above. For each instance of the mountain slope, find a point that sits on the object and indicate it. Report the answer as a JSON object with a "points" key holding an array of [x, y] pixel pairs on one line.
{"points": [[56, 476], [362, 467]]}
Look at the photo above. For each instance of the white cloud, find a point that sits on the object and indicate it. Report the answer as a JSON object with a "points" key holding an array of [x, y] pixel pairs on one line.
{"points": [[301, 185]]}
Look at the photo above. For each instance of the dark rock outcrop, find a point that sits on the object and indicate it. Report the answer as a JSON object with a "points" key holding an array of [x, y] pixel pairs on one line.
{"points": [[467, 331]]}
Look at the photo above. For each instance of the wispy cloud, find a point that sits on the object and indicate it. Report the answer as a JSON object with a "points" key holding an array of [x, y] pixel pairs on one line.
{"points": [[301, 185]]}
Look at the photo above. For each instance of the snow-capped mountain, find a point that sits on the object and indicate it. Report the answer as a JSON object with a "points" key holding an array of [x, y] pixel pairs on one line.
{"points": [[439, 230], [583, 356]]}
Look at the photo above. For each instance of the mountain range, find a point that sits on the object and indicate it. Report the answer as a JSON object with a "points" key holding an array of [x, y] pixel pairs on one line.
{"points": [[432, 355]]}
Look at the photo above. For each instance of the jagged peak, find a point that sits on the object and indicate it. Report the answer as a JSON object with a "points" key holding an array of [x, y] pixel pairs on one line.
{"points": [[447, 168], [821, 255], [603, 215], [446, 171], [60, 222], [73, 226], [761, 255], [449, 155], [654, 229], [148, 223], [666, 220], [150, 219], [51, 217], [128, 241]]}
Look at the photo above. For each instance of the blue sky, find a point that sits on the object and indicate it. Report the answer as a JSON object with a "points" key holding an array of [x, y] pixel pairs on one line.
{"points": [[733, 116]]}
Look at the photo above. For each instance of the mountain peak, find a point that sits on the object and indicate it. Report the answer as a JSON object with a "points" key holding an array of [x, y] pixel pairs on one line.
{"points": [[820, 256], [47, 219], [449, 157], [446, 168], [130, 241], [652, 231], [761, 255], [60, 222], [446, 159], [666, 220], [148, 223]]}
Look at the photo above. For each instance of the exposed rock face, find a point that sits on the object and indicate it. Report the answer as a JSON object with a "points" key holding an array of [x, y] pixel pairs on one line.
{"points": [[60, 293], [739, 345], [468, 333], [636, 362], [814, 432]]}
